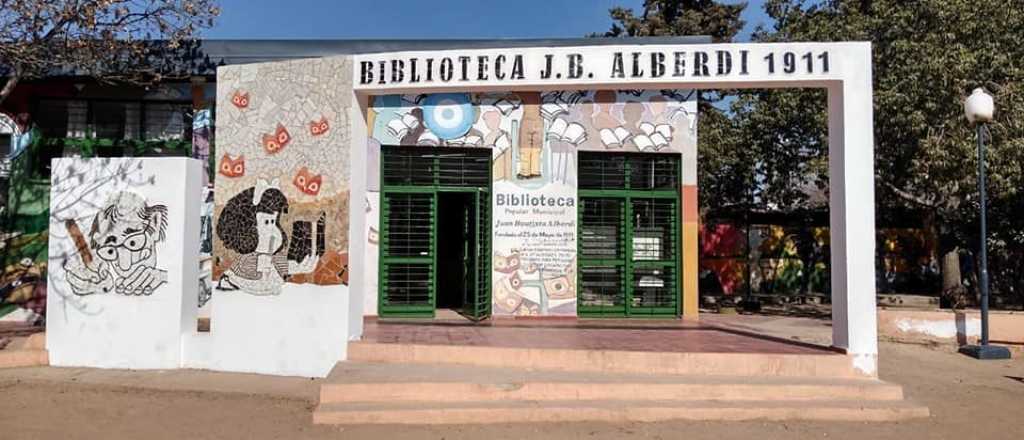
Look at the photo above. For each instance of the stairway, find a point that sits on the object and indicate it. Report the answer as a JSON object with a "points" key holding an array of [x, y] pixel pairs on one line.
{"points": [[431, 384]]}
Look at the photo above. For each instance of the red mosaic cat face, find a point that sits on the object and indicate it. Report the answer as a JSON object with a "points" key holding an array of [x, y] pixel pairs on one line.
{"points": [[232, 167], [274, 143], [308, 182], [240, 100], [317, 128]]}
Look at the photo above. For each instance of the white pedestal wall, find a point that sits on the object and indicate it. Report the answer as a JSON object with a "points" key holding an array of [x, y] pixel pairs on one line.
{"points": [[113, 330]]}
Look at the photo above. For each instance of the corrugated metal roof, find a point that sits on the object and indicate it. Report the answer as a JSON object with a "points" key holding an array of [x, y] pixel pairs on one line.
{"points": [[253, 51]]}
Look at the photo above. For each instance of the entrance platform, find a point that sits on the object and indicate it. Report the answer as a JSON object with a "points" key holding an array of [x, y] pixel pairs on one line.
{"points": [[451, 371]]}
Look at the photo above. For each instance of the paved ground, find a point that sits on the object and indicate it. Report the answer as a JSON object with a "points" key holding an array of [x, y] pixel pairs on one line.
{"points": [[968, 399]]}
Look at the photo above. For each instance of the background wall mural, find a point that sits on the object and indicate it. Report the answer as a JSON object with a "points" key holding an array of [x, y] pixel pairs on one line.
{"points": [[281, 204], [534, 138]]}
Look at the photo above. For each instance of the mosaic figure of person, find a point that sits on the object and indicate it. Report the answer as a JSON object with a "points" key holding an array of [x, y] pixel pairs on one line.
{"points": [[250, 224]]}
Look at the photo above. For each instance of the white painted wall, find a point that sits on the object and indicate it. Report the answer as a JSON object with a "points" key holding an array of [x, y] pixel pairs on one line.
{"points": [[301, 332], [111, 330]]}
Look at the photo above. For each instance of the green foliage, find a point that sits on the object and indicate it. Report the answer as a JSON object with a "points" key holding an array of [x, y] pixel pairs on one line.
{"points": [[679, 17], [928, 56]]}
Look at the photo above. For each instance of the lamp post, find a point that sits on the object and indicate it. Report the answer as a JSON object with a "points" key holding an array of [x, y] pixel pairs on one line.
{"points": [[979, 109]]}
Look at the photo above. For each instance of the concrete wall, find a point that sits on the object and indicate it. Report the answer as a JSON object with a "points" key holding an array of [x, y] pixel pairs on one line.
{"points": [[950, 326], [123, 261], [281, 218]]}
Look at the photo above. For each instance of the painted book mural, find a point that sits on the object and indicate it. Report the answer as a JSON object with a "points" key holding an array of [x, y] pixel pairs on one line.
{"points": [[533, 137], [281, 203]]}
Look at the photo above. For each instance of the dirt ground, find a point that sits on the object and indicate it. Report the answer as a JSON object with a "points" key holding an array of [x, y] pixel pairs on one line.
{"points": [[968, 399]]}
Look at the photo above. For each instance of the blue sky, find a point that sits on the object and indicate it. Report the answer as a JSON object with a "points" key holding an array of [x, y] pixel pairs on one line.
{"points": [[424, 18]]}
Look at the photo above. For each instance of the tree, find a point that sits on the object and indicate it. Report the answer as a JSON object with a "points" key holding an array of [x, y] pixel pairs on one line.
{"points": [[679, 17], [132, 41], [927, 56], [726, 170]]}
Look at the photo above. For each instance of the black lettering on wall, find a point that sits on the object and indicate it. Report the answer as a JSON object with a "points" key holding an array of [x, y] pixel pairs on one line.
{"points": [[680, 63], [365, 72], [447, 69], [617, 69], [499, 61], [464, 61], [657, 64], [481, 73], [700, 64]]}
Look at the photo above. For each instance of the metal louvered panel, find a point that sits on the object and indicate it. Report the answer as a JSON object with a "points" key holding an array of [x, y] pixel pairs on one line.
{"points": [[479, 306], [601, 171], [407, 166], [410, 225], [407, 254], [654, 290], [408, 284], [654, 172], [602, 290], [655, 229], [464, 167], [438, 167], [601, 228]]}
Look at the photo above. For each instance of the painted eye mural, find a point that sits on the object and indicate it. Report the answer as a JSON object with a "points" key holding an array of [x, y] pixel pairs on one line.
{"points": [[448, 115], [274, 143], [317, 128], [232, 167], [240, 100], [307, 182]]}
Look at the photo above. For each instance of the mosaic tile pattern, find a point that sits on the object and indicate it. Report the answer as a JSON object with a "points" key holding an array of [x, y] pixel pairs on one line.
{"points": [[282, 189]]}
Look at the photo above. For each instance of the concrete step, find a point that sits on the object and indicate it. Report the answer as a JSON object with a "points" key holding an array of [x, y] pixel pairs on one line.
{"points": [[24, 358], [383, 382], [826, 364], [426, 413]]}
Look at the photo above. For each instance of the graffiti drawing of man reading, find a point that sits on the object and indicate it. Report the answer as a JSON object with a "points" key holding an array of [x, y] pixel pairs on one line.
{"points": [[119, 254]]}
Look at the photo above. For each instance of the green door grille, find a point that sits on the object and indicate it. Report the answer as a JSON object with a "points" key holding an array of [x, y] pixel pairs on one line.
{"points": [[407, 253], [411, 180], [628, 235], [477, 305], [602, 256]]}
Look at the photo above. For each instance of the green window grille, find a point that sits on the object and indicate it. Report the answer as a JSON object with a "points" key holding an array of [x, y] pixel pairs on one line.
{"points": [[628, 235], [413, 182]]}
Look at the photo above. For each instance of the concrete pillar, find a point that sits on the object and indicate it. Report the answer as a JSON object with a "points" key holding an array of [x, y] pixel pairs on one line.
{"points": [[852, 215]]}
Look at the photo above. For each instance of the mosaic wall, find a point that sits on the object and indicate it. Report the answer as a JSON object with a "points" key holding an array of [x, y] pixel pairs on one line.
{"points": [[281, 203], [534, 138]]}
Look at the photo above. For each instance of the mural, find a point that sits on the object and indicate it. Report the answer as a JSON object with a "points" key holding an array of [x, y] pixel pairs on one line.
{"points": [[23, 292], [250, 225], [119, 253], [202, 139], [281, 204], [534, 138]]}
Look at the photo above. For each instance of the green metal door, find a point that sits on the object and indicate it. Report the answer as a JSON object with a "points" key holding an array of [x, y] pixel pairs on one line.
{"points": [[477, 304], [407, 253], [628, 235], [411, 180]]}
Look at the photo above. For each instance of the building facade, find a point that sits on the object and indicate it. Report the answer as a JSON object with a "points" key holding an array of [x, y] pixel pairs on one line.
{"points": [[495, 179]]}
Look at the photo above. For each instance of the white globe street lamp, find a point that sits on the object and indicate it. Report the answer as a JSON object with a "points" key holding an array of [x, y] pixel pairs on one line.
{"points": [[980, 108]]}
